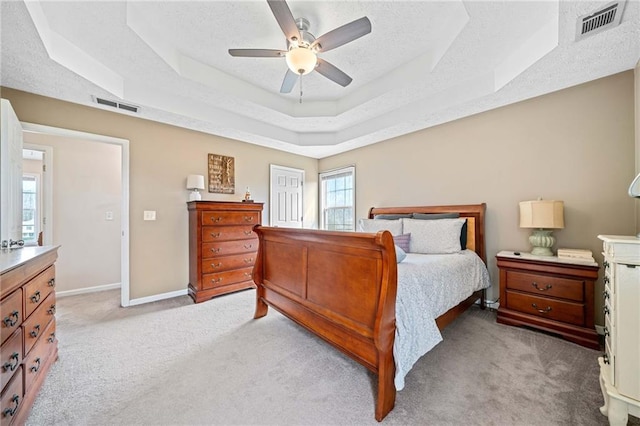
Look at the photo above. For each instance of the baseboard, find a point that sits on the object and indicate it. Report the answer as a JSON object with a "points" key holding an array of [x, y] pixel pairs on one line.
{"points": [[86, 290], [157, 297]]}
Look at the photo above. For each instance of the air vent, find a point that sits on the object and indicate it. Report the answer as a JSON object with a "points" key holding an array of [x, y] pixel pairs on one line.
{"points": [[601, 20], [115, 104]]}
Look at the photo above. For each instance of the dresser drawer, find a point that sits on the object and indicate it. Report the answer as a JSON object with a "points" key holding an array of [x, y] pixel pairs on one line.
{"points": [[225, 278], [224, 248], [227, 233], [38, 289], [567, 312], [226, 263], [230, 218], [11, 312], [546, 285], [39, 355], [11, 398], [35, 325], [10, 357]]}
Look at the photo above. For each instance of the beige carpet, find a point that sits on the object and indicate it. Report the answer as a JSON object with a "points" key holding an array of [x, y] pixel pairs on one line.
{"points": [[174, 362]]}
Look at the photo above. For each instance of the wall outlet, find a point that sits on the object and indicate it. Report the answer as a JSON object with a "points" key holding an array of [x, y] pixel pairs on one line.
{"points": [[149, 215], [108, 216]]}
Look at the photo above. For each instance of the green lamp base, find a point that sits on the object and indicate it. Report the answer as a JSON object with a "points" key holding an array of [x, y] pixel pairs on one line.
{"points": [[542, 241]]}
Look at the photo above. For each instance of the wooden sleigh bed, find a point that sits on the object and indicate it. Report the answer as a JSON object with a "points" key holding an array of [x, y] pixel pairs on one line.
{"points": [[342, 287]]}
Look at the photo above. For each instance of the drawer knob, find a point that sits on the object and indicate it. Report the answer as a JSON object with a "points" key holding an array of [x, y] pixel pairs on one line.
{"points": [[215, 249], [605, 310], [542, 311], [11, 365], [546, 287], [247, 232], [52, 282], [36, 367], [35, 332], [11, 319], [35, 297], [52, 337], [605, 294], [217, 219], [52, 310], [248, 260], [606, 332], [215, 234], [605, 358], [606, 279], [248, 246], [216, 265], [11, 411], [247, 274], [248, 218], [216, 280]]}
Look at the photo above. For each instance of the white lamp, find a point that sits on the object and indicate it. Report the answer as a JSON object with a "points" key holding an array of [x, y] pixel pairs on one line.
{"points": [[634, 191], [301, 60], [194, 183], [543, 216]]}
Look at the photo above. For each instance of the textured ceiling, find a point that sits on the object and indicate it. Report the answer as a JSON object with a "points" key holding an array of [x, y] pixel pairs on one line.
{"points": [[424, 63]]}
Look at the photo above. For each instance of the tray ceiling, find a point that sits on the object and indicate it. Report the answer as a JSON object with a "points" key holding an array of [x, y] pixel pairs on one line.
{"points": [[424, 63]]}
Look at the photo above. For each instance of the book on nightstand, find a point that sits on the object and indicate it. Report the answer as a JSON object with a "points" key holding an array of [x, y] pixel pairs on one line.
{"points": [[577, 254]]}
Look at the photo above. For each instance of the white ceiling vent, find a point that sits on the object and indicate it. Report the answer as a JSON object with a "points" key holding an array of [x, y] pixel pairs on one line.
{"points": [[600, 20], [115, 104]]}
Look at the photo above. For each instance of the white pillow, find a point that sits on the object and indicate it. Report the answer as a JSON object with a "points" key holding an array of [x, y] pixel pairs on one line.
{"points": [[438, 236], [375, 225]]}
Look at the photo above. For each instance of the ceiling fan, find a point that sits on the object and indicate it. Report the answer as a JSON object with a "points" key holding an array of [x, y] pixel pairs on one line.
{"points": [[303, 48]]}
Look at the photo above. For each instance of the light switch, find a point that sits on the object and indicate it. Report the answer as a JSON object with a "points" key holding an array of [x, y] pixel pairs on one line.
{"points": [[149, 215], [108, 216]]}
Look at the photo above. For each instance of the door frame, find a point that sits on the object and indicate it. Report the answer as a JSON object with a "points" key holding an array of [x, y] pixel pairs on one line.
{"points": [[124, 204], [273, 203], [47, 188]]}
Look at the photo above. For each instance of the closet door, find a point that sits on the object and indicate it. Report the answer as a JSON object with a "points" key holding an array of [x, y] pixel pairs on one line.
{"points": [[10, 174]]}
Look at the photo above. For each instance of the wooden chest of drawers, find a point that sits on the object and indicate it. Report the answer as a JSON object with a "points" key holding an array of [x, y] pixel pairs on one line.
{"points": [[222, 247], [28, 328], [550, 295]]}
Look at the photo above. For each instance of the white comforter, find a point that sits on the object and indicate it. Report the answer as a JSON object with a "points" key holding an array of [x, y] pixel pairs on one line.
{"points": [[428, 286]]}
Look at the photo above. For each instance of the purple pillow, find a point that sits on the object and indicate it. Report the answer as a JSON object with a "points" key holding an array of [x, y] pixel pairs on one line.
{"points": [[402, 241]]}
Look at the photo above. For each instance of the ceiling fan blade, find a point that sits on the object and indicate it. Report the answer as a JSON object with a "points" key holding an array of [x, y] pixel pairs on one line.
{"points": [[333, 73], [285, 19], [289, 81], [342, 35], [257, 53]]}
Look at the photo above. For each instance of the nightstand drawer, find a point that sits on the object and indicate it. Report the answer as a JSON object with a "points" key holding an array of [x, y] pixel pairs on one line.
{"points": [[567, 312], [546, 285]]}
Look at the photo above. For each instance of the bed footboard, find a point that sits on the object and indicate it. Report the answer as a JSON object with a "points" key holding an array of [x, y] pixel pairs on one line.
{"points": [[339, 285]]}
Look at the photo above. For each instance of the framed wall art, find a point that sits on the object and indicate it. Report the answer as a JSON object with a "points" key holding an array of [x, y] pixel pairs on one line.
{"points": [[221, 174]]}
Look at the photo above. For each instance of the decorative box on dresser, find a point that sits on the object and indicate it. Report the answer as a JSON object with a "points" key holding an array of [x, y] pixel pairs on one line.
{"points": [[620, 364], [550, 294], [27, 328], [222, 247]]}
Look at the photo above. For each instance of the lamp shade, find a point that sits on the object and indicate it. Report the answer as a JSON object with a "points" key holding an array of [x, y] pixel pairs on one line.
{"points": [[542, 214], [301, 60], [195, 182], [634, 188]]}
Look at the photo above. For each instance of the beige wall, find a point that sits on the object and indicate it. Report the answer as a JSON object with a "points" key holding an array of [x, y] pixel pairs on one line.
{"points": [[86, 185], [161, 157], [575, 145]]}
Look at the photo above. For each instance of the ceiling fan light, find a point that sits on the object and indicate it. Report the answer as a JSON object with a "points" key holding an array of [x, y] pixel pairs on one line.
{"points": [[301, 60]]}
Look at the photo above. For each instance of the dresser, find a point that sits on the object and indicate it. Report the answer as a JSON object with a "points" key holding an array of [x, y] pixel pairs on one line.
{"points": [[222, 247], [549, 294], [27, 327], [620, 364]]}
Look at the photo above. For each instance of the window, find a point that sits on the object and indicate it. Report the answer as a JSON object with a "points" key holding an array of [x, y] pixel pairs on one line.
{"points": [[337, 199], [30, 210]]}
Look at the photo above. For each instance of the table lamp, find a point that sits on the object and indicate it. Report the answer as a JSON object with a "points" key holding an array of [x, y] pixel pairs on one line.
{"points": [[543, 216], [634, 191], [194, 183]]}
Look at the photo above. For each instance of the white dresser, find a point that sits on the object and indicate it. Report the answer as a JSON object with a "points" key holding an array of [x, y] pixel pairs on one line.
{"points": [[620, 365]]}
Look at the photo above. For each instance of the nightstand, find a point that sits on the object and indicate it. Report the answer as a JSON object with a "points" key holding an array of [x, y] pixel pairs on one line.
{"points": [[550, 294]]}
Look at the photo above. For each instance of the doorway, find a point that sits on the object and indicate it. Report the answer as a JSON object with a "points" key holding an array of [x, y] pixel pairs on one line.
{"points": [[286, 186], [123, 207]]}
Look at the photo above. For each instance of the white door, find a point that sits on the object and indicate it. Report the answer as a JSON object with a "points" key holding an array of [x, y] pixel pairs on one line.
{"points": [[10, 175], [286, 197]]}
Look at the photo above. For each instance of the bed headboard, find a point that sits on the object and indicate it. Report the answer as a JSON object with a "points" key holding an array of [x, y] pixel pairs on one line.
{"points": [[474, 213]]}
